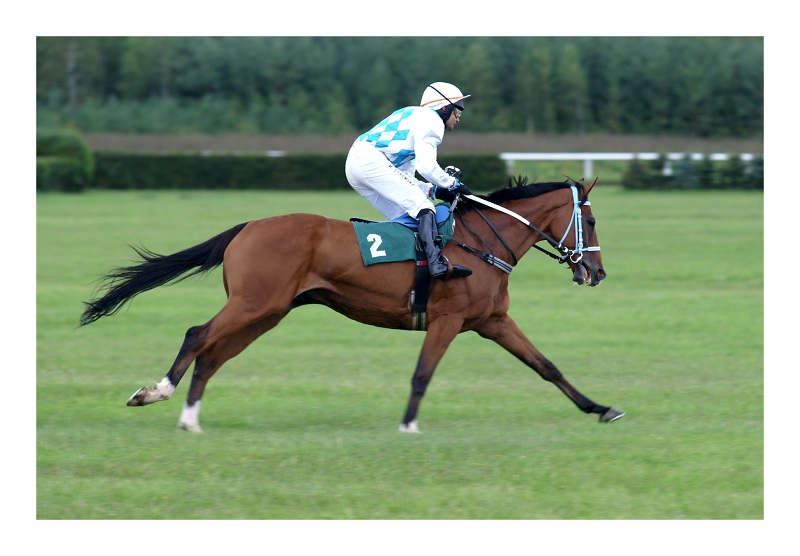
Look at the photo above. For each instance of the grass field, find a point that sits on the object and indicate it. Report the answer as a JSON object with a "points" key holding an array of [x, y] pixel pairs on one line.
{"points": [[303, 424]]}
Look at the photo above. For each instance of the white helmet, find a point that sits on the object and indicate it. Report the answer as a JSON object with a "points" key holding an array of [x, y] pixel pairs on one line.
{"points": [[441, 94]]}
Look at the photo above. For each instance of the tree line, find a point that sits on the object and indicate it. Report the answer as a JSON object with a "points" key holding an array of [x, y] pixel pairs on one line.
{"points": [[698, 86]]}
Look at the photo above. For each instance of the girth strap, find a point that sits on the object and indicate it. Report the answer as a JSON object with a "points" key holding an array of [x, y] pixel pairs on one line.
{"points": [[422, 279]]}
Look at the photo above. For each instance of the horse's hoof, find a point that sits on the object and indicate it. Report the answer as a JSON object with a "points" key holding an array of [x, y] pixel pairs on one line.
{"points": [[409, 427], [190, 427], [138, 397], [611, 415]]}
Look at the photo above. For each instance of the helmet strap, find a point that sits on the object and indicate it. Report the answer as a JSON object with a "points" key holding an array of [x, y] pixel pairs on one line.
{"points": [[445, 112]]}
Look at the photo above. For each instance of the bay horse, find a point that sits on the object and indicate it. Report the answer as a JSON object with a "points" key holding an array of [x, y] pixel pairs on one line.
{"points": [[274, 265]]}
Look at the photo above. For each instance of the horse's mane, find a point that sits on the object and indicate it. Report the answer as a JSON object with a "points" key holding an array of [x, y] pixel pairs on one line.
{"points": [[519, 188]]}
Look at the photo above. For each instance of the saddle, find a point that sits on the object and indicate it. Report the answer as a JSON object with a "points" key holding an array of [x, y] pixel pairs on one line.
{"points": [[392, 241], [396, 240]]}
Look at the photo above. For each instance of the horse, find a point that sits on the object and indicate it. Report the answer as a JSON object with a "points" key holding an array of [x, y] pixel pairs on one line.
{"points": [[274, 265]]}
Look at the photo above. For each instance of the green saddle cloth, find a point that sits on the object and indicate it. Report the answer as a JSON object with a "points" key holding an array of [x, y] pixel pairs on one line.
{"points": [[390, 242]]}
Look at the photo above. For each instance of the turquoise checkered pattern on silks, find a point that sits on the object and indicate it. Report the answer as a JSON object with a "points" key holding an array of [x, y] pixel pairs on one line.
{"points": [[390, 136]]}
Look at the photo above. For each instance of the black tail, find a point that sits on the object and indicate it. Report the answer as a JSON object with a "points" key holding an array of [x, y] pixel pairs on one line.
{"points": [[123, 283]]}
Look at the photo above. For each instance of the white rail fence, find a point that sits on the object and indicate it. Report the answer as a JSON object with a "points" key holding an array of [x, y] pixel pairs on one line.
{"points": [[588, 158]]}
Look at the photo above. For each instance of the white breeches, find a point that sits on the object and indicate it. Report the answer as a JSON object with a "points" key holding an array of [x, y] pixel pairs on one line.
{"points": [[388, 189]]}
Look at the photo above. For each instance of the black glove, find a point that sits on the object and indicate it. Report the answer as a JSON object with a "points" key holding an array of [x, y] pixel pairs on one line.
{"points": [[445, 194], [450, 194]]}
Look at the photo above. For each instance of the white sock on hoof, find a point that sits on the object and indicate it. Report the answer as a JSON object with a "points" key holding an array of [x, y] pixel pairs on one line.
{"points": [[190, 418], [411, 427]]}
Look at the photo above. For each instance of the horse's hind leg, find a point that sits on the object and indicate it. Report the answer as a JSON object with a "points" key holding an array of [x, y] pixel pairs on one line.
{"points": [[213, 357], [192, 343], [507, 334]]}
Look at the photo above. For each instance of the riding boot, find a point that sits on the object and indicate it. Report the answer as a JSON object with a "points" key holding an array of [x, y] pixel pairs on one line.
{"points": [[438, 265]]}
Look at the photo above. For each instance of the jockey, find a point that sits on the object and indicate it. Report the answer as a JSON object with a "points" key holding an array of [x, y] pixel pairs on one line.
{"points": [[382, 162]]}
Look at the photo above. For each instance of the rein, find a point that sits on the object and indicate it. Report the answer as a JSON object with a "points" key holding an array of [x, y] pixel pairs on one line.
{"points": [[573, 255]]}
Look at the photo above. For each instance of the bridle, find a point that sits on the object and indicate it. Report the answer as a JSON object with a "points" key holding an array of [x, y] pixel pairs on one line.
{"points": [[566, 254]]}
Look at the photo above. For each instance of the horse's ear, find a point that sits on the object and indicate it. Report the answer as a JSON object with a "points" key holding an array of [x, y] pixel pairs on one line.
{"points": [[588, 188]]}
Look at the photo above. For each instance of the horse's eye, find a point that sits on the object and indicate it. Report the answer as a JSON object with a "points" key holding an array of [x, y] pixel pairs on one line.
{"points": [[591, 221]]}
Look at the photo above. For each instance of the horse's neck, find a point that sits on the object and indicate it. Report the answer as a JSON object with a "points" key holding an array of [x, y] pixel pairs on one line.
{"points": [[538, 214]]}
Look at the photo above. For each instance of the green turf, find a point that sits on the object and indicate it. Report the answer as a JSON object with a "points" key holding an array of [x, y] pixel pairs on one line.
{"points": [[303, 424]]}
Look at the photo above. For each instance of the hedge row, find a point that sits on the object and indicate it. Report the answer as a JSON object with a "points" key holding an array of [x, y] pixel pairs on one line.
{"points": [[688, 173], [64, 162], [251, 171]]}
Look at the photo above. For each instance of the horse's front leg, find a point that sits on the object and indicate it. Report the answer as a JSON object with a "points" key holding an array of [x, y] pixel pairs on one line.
{"points": [[439, 336], [505, 332]]}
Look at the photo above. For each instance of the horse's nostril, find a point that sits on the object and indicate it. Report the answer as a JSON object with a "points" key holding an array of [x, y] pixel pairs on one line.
{"points": [[601, 274]]}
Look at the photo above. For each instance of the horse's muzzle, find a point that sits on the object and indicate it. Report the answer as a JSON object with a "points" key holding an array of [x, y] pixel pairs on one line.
{"points": [[583, 274]]}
